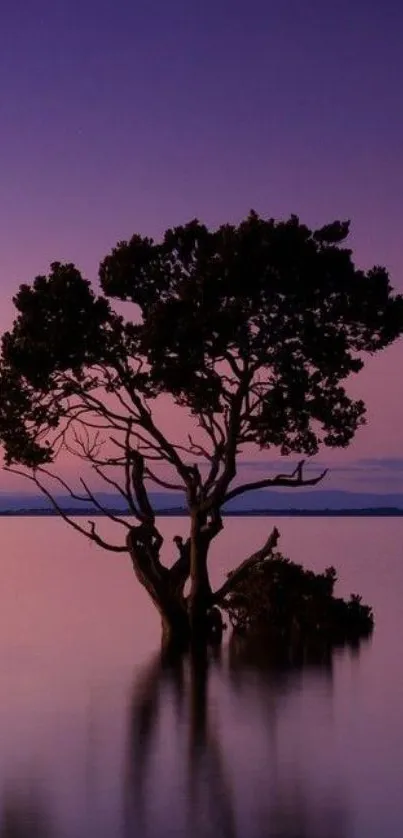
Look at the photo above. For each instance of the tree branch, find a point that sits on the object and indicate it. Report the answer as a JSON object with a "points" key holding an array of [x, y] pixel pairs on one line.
{"points": [[128, 484], [146, 422], [212, 428], [175, 487], [236, 575], [217, 498], [293, 480], [116, 486], [101, 508], [92, 535]]}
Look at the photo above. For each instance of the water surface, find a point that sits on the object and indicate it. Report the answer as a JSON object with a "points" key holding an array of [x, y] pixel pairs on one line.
{"points": [[98, 739]]}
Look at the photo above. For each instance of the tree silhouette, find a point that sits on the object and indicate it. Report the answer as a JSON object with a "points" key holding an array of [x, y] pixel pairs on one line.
{"points": [[250, 329], [205, 798]]}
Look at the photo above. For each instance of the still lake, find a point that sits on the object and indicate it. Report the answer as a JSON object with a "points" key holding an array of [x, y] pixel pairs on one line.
{"points": [[96, 740]]}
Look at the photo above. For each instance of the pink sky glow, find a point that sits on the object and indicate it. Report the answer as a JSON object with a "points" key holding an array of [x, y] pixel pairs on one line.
{"points": [[154, 117]]}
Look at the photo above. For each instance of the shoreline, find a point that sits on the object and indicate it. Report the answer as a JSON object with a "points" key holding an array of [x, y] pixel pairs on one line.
{"points": [[378, 512]]}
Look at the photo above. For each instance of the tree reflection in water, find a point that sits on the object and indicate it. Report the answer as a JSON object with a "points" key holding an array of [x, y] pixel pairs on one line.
{"points": [[23, 815], [182, 775]]}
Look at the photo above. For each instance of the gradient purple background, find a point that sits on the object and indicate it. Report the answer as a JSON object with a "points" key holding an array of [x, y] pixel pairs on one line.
{"points": [[119, 117]]}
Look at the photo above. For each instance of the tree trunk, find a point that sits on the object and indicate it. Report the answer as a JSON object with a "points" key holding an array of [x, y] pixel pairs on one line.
{"points": [[200, 596], [167, 597], [175, 627], [185, 622], [171, 608]]}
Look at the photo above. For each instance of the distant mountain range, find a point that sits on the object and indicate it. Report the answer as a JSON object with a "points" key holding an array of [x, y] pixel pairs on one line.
{"points": [[259, 502]]}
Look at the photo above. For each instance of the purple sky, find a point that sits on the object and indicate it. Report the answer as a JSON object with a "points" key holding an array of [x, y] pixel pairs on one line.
{"points": [[121, 116]]}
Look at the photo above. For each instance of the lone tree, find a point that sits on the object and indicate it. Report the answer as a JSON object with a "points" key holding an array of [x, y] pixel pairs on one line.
{"points": [[251, 330]]}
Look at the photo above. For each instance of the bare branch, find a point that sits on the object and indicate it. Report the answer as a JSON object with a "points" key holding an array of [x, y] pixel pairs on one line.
{"points": [[128, 485], [212, 427], [230, 359], [199, 450], [175, 487], [116, 486], [156, 458], [92, 535], [117, 421], [115, 389], [216, 462], [117, 519], [293, 480], [146, 444], [69, 490], [236, 575], [232, 419], [167, 447], [146, 422], [136, 460]]}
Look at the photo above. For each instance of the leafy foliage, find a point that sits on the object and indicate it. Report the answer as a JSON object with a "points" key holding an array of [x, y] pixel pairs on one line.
{"points": [[275, 297], [253, 328], [292, 602]]}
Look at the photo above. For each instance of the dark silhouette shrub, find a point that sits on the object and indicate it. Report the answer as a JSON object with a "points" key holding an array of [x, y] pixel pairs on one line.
{"points": [[292, 604]]}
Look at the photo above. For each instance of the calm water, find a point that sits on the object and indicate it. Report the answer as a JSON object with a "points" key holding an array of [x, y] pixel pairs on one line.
{"points": [[97, 740]]}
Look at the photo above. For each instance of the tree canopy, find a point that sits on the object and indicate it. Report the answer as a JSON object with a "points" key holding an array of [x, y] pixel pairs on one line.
{"points": [[252, 329]]}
